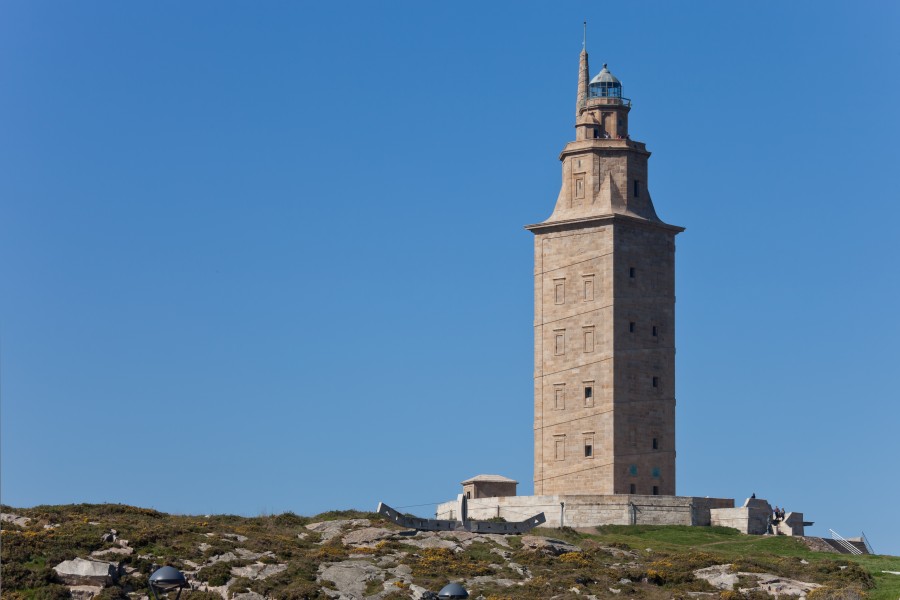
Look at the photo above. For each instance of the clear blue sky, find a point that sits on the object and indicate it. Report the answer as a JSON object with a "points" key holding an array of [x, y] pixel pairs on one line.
{"points": [[278, 246]]}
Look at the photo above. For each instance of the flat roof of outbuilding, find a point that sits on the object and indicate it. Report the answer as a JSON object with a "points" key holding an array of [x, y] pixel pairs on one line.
{"points": [[489, 479]]}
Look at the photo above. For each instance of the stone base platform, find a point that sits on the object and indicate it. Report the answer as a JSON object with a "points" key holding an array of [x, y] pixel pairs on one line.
{"points": [[590, 511]]}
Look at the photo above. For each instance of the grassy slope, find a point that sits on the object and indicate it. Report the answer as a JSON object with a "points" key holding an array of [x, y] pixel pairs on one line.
{"points": [[733, 546], [29, 553]]}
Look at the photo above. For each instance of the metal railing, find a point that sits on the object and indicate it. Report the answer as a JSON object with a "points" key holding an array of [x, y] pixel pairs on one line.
{"points": [[844, 543], [604, 101], [609, 100], [865, 540]]}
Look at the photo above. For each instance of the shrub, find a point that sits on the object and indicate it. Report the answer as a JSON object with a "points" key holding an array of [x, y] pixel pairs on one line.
{"points": [[112, 592], [17, 576], [441, 562], [832, 593], [52, 592], [573, 559], [299, 590], [216, 574], [239, 586], [197, 595], [851, 576]]}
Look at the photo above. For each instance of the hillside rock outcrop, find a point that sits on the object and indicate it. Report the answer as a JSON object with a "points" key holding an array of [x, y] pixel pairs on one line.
{"points": [[80, 571]]}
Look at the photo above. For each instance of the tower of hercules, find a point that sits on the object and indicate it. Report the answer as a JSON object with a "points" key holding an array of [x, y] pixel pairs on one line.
{"points": [[604, 314]]}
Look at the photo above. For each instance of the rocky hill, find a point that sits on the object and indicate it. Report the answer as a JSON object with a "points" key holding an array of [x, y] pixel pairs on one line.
{"points": [[108, 551]]}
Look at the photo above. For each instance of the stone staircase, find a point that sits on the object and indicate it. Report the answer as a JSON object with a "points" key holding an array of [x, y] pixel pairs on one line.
{"points": [[861, 546], [820, 544]]}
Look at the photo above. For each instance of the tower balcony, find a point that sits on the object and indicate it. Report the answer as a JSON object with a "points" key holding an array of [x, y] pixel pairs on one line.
{"points": [[608, 101], [580, 146], [593, 101]]}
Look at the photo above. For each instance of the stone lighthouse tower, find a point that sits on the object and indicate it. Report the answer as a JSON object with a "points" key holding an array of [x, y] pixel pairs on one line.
{"points": [[604, 314]]}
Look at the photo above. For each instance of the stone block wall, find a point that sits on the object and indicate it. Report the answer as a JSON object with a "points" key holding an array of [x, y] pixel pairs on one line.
{"points": [[752, 518], [573, 408], [644, 363], [593, 510], [489, 489]]}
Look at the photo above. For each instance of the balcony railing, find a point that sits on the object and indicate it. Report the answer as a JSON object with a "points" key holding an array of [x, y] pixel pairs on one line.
{"points": [[605, 101], [613, 100]]}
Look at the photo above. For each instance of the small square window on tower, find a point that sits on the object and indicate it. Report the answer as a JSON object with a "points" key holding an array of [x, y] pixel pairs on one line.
{"points": [[637, 188], [588, 393], [588, 333], [588, 284], [559, 291], [560, 345], [559, 396], [656, 382]]}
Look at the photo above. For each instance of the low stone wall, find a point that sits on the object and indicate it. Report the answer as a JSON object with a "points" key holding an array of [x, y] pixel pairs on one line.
{"points": [[754, 517], [590, 511]]}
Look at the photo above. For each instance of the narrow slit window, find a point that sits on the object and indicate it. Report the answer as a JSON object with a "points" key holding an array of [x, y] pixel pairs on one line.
{"points": [[632, 489], [589, 393], [561, 448], [589, 447], [560, 396], [656, 443], [656, 382], [588, 288], [631, 327], [588, 339], [656, 490], [631, 272], [560, 342], [637, 188], [655, 331], [559, 291]]}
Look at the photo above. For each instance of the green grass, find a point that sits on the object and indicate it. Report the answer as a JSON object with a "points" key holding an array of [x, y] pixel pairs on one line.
{"points": [[887, 586], [731, 545]]}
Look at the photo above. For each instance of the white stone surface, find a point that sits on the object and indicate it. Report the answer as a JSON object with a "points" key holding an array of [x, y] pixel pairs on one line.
{"points": [[80, 571]]}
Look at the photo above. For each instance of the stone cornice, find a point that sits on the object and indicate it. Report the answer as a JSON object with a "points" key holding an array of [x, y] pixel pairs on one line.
{"points": [[598, 220], [581, 146]]}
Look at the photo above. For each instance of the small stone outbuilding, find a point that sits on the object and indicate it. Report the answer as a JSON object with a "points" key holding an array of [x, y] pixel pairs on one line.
{"points": [[489, 486]]}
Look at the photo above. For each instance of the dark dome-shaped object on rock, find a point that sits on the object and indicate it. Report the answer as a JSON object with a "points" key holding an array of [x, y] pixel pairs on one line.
{"points": [[168, 578], [453, 590]]}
